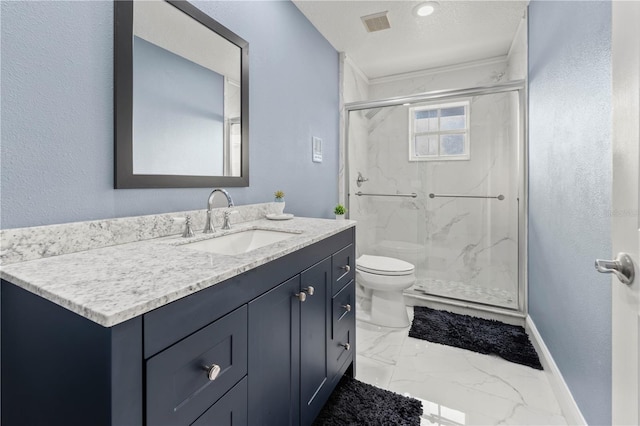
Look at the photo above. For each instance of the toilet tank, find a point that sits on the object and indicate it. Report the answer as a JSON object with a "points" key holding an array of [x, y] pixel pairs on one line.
{"points": [[409, 252]]}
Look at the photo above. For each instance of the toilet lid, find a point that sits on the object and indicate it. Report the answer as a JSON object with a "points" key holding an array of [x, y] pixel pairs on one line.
{"points": [[383, 265]]}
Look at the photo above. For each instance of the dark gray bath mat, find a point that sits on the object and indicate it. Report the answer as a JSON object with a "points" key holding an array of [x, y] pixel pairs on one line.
{"points": [[357, 403], [475, 334]]}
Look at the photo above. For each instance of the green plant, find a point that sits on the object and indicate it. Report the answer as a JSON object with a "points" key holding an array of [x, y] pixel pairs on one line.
{"points": [[279, 195], [339, 209]]}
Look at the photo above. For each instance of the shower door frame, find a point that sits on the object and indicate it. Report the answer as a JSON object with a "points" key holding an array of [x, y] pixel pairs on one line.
{"points": [[518, 86]]}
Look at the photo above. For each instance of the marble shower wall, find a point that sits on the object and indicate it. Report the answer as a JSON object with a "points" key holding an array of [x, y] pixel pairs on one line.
{"points": [[354, 86], [469, 241], [517, 57]]}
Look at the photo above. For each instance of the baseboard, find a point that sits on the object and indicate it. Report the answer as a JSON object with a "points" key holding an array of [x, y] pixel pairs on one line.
{"points": [[568, 405]]}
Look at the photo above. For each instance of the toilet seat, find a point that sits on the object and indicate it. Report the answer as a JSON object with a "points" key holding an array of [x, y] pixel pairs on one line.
{"points": [[380, 265], [385, 279]]}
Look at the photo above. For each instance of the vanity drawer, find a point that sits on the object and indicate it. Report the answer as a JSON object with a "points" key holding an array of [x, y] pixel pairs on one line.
{"points": [[343, 268], [340, 349], [230, 410], [343, 309], [178, 386]]}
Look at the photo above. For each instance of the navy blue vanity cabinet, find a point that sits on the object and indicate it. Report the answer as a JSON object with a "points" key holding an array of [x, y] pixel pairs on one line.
{"points": [[289, 330], [292, 368], [245, 351]]}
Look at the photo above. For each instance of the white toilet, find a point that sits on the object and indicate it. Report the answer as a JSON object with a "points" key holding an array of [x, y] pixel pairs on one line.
{"points": [[384, 279]]}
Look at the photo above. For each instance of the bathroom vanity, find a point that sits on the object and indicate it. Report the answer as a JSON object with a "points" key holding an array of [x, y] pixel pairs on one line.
{"points": [[154, 332]]}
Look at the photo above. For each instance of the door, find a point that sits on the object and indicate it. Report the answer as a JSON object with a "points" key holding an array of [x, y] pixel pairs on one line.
{"points": [[625, 224], [274, 357], [314, 325]]}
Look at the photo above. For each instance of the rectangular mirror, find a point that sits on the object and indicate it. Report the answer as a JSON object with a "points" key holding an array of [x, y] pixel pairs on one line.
{"points": [[181, 98]]}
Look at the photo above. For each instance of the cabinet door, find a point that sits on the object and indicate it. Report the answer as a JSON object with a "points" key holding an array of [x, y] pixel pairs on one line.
{"points": [[315, 328], [274, 357]]}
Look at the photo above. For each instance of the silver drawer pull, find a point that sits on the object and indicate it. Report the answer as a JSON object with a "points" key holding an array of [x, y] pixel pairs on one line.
{"points": [[346, 346], [309, 290], [302, 296], [347, 268], [347, 307], [212, 371]]}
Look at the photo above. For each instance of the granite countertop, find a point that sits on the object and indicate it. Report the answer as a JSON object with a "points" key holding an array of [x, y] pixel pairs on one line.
{"points": [[113, 284]]}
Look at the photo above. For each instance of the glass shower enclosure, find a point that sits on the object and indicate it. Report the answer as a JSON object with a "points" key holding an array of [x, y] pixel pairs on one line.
{"points": [[436, 179]]}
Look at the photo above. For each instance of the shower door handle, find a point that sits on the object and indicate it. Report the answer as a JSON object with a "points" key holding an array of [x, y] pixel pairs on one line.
{"points": [[621, 266], [361, 179]]}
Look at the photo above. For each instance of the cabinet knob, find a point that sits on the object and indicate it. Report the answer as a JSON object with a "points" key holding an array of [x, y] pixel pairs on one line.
{"points": [[346, 268], [346, 346], [302, 296], [347, 307], [212, 371], [309, 290]]}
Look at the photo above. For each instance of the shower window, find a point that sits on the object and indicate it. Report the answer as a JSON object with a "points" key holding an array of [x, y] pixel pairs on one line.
{"points": [[439, 132]]}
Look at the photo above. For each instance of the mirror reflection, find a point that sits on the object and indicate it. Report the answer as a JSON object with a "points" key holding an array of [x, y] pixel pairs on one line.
{"points": [[186, 89]]}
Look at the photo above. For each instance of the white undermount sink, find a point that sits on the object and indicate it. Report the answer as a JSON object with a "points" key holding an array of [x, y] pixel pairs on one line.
{"points": [[239, 242]]}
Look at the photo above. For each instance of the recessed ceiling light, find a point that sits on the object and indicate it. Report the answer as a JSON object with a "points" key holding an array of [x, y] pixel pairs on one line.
{"points": [[425, 9]]}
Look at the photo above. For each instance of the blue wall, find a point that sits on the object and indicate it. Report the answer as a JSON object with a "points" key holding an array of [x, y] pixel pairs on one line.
{"points": [[570, 193], [57, 113]]}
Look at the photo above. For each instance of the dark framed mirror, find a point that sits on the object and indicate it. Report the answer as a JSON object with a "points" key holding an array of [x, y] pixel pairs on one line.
{"points": [[181, 95]]}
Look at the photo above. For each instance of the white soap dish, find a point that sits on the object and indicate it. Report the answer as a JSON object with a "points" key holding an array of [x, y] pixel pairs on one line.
{"points": [[283, 216]]}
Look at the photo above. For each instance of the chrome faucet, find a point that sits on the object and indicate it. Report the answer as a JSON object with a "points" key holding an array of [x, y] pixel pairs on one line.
{"points": [[208, 227]]}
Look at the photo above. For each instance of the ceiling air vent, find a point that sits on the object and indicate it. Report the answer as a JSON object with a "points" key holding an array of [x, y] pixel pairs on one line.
{"points": [[376, 21]]}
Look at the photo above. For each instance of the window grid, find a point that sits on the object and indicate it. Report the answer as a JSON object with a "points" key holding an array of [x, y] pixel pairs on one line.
{"points": [[435, 136]]}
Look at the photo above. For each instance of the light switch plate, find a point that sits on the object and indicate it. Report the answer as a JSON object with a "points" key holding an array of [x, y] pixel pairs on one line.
{"points": [[316, 149]]}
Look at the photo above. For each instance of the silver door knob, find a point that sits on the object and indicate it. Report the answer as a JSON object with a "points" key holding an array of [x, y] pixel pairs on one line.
{"points": [[346, 346], [302, 296], [346, 268], [212, 371], [309, 290], [347, 307], [622, 266]]}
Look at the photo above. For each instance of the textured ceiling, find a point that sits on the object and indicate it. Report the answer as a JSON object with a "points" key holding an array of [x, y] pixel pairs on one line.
{"points": [[458, 32]]}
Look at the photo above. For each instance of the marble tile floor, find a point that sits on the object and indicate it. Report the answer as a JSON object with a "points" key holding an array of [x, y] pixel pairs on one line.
{"points": [[462, 291], [456, 386]]}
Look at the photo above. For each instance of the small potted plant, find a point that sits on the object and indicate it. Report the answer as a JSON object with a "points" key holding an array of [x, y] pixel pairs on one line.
{"points": [[339, 211], [279, 199]]}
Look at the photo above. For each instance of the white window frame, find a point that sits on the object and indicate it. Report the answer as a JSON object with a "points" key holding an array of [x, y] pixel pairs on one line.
{"points": [[466, 132]]}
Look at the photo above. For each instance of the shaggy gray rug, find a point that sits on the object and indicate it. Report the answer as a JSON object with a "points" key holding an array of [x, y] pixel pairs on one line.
{"points": [[475, 334], [357, 403]]}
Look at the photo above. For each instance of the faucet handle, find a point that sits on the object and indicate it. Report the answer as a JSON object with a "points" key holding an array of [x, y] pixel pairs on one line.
{"points": [[188, 232], [228, 213], [227, 217]]}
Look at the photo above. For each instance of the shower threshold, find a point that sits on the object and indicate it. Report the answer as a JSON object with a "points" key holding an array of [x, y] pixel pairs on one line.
{"points": [[448, 289]]}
